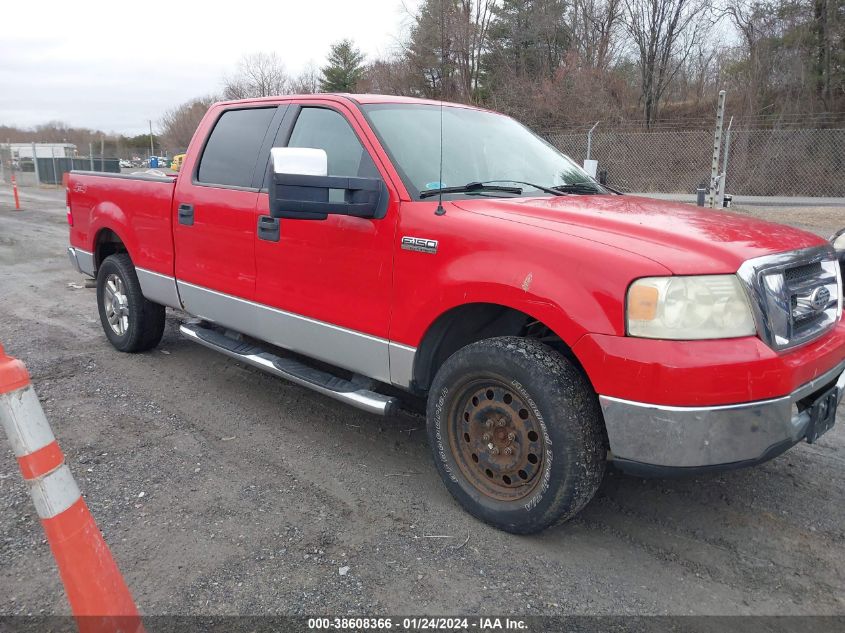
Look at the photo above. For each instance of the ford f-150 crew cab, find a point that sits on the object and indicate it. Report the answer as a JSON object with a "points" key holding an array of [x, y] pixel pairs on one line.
{"points": [[553, 325]]}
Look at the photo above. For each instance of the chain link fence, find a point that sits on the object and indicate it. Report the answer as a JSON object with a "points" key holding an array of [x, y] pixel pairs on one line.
{"points": [[790, 161], [31, 172], [761, 162]]}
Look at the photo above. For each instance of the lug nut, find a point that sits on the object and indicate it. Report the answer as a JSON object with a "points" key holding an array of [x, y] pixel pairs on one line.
{"points": [[495, 450], [490, 446], [486, 437], [489, 423], [511, 436], [501, 422], [508, 450]]}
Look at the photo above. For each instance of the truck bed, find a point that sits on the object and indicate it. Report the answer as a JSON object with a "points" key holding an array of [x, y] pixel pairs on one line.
{"points": [[101, 204]]}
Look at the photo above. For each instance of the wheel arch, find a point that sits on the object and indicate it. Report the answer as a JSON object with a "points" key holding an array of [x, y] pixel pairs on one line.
{"points": [[112, 232], [468, 323], [108, 242]]}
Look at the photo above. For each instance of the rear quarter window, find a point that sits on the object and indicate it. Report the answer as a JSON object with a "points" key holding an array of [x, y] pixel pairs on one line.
{"points": [[231, 152]]}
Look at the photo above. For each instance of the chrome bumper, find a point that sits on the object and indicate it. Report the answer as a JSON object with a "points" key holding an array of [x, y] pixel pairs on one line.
{"points": [[82, 261], [726, 436]]}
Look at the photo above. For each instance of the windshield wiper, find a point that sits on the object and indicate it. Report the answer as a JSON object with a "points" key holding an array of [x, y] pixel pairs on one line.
{"points": [[470, 187], [542, 188], [579, 187]]}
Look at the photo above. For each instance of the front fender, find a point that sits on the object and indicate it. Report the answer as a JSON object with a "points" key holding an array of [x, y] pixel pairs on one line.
{"points": [[573, 285]]}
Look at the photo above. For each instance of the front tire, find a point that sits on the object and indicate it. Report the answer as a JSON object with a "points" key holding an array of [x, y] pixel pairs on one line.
{"points": [[131, 322], [517, 434]]}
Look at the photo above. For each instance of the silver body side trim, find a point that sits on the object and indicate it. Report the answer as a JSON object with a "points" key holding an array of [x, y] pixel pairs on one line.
{"points": [[362, 353], [159, 288], [401, 364], [361, 399], [82, 261], [709, 436]]}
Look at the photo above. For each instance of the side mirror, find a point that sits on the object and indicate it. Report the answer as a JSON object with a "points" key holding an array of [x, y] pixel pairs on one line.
{"points": [[300, 186]]}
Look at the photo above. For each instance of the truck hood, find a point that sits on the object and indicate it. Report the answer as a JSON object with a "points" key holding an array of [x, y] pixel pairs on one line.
{"points": [[683, 238]]}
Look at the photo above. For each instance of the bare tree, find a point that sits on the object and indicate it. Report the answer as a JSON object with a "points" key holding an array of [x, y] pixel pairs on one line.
{"points": [[307, 81], [447, 41], [529, 38], [392, 75], [596, 26], [179, 124], [258, 75], [663, 33], [470, 27]]}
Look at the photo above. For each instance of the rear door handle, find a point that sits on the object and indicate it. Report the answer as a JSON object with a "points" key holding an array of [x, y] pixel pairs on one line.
{"points": [[186, 214], [268, 228]]}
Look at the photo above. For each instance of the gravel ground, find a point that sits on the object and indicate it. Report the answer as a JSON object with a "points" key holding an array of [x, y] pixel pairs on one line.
{"points": [[225, 491]]}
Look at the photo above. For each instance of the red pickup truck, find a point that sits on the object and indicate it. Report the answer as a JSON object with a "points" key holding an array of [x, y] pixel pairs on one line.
{"points": [[380, 249]]}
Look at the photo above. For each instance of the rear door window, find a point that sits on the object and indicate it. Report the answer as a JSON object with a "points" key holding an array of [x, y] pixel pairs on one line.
{"points": [[232, 149]]}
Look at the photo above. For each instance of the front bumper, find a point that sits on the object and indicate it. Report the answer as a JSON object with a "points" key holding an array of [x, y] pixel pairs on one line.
{"points": [[654, 439]]}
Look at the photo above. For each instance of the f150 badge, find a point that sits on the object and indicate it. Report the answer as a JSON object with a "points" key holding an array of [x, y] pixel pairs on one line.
{"points": [[419, 244]]}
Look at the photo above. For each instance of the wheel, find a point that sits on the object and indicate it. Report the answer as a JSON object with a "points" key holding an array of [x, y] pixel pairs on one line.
{"points": [[517, 433], [131, 322]]}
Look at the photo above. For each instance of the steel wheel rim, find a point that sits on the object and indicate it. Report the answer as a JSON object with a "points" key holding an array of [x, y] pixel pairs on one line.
{"points": [[497, 440], [116, 304]]}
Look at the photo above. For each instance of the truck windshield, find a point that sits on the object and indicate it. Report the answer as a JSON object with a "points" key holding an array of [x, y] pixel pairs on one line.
{"points": [[478, 147]]}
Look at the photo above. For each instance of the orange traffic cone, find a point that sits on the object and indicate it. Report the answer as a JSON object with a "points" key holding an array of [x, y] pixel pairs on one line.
{"points": [[98, 596]]}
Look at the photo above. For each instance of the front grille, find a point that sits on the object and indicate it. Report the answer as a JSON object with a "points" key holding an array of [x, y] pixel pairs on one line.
{"points": [[800, 273], [796, 296]]}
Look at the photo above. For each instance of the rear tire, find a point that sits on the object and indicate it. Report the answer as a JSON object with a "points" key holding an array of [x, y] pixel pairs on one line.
{"points": [[131, 322], [517, 433]]}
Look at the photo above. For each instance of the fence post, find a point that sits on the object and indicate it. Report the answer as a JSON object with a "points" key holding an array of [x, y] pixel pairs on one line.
{"points": [[717, 144], [725, 155], [91, 155], [590, 166], [590, 139], [35, 164], [53, 156]]}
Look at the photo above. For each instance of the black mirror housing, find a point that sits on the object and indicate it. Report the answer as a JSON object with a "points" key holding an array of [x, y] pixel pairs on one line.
{"points": [[304, 197]]}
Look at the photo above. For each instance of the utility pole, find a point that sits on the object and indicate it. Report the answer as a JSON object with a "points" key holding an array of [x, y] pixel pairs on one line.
{"points": [[717, 145], [152, 149]]}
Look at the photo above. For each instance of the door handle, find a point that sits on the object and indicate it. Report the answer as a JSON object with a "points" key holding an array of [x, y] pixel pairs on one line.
{"points": [[268, 228], [186, 214]]}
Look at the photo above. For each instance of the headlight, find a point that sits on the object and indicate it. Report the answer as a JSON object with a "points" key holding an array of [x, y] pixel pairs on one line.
{"points": [[686, 308]]}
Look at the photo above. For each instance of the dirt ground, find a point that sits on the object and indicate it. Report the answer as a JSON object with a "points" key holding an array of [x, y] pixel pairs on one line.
{"points": [[222, 490]]}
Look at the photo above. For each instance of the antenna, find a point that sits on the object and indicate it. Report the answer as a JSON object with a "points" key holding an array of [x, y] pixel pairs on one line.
{"points": [[440, 210]]}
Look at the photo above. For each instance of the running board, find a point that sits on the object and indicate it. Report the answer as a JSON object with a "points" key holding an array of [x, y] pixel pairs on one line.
{"points": [[292, 370]]}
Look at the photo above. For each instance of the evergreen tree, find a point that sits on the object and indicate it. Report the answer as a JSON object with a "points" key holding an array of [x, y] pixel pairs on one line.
{"points": [[344, 69]]}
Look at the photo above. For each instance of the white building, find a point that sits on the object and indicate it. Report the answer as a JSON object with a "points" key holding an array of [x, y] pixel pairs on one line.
{"points": [[42, 150]]}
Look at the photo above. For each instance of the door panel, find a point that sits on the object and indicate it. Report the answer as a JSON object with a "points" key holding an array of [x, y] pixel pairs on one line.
{"points": [[217, 250], [336, 272], [214, 205]]}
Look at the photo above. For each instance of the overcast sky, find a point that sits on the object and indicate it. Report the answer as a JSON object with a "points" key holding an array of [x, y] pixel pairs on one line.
{"points": [[113, 65]]}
